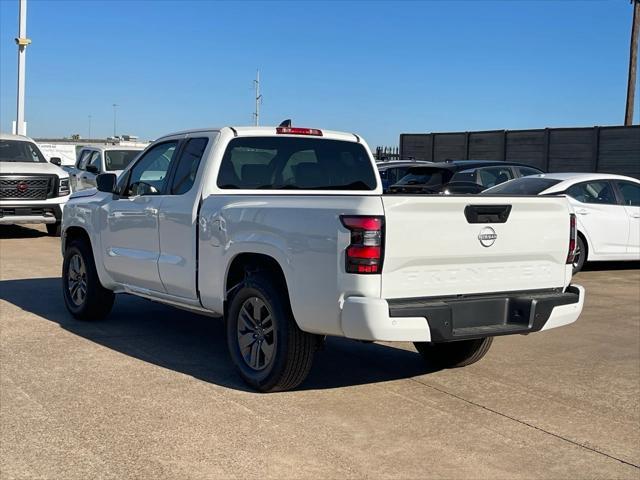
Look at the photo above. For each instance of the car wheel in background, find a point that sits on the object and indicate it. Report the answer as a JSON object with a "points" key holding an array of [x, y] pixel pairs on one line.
{"points": [[580, 255], [53, 229], [269, 350], [84, 295]]}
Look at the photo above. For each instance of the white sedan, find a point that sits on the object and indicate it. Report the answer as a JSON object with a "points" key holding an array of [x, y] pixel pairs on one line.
{"points": [[607, 208]]}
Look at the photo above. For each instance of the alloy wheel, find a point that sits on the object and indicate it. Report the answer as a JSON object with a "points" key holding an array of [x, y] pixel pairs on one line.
{"points": [[77, 280], [256, 334]]}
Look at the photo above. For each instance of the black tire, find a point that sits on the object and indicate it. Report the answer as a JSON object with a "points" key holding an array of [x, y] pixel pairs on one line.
{"points": [[454, 354], [53, 229], [292, 350], [581, 255], [97, 301]]}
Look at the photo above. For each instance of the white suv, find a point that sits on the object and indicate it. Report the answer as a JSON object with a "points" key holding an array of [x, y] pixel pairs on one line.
{"points": [[32, 190]]}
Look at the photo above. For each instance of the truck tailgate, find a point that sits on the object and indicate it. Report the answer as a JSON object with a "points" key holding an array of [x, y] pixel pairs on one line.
{"points": [[433, 248]]}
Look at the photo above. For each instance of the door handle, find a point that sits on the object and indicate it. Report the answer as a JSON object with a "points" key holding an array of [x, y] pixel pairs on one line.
{"points": [[151, 210], [582, 211], [635, 215]]}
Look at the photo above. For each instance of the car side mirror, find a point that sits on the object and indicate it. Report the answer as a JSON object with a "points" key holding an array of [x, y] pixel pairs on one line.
{"points": [[92, 169], [106, 182], [56, 161]]}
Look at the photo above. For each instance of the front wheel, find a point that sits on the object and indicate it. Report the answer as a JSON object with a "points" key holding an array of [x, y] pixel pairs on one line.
{"points": [[269, 350], [454, 354], [84, 296], [53, 229]]}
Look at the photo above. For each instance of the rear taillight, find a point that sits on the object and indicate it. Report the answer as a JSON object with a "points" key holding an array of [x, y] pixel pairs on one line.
{"points": [[366, 250], [299, 131], [572, 238]]}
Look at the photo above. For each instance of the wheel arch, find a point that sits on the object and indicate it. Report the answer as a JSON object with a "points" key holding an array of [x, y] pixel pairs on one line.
{"points": [[246, 263], [75, 233]]}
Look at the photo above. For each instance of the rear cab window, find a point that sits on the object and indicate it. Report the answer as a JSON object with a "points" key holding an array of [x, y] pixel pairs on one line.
{"points": [[289, 163], [115, 160]]}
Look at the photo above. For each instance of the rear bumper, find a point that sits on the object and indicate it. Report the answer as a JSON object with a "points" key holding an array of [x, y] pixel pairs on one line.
{"points": [[460, 318], [11, 214]]}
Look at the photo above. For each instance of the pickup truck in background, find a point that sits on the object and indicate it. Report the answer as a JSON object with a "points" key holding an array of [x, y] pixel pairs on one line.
{"points": [[32, 190], [284, 232], [93, 161]]}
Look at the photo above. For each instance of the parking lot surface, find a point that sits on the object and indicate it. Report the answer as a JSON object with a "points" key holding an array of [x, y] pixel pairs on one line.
{"points": [[151, 393]]}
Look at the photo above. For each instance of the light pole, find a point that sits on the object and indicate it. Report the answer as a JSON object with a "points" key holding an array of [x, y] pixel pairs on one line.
{"points": [[256, 84], [22, 41], [633, 63], [115, 105]]}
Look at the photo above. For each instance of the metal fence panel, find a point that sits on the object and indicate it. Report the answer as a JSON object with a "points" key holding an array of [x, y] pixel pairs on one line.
{"points": [[593, 149]]}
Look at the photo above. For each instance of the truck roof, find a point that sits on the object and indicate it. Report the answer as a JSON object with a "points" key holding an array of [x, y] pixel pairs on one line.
{"points": [[10, 136], [252, 131]]}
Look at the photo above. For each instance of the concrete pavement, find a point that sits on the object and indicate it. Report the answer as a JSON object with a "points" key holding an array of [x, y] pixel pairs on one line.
{"points": [[150, 393]]}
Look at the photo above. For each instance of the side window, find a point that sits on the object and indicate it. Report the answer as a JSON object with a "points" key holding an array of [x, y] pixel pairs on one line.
{"points": [[188, 165], [593, 192], [95, 161], [465, 176], [82, 160], [397, 173], [149, 174], [492, 176], [630, 193], [526, 171]]}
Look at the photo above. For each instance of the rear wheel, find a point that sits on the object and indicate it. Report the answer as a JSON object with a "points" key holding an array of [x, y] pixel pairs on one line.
{"points": [[84, 295], [580, 255], [454, 354], [269, 350], [53, 229]]}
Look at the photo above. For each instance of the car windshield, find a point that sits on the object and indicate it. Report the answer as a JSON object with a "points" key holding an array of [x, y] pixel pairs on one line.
{"points": [[522, 186], [118, 159], [20, 151], [425, 176]]}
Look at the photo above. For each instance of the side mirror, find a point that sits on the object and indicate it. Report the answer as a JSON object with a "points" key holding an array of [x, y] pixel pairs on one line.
{"points": [[56, 161], [92, 169], [106, 182]]}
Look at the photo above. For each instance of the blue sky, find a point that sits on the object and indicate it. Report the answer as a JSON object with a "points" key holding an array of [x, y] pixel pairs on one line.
{"points": [[378, 68]]}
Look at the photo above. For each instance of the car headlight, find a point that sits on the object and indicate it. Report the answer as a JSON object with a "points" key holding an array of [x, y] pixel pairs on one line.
{"points": [[64, 187]]}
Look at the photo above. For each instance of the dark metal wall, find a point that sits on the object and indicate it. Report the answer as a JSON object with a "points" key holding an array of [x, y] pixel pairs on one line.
{"points": [[593, 149]]}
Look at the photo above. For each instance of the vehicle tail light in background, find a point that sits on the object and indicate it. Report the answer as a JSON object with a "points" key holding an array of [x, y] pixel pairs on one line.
{"points": [[573, 232], [366, 249], [299, 131]]}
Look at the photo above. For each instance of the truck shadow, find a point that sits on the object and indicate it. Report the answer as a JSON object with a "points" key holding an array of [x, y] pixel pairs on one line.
{"points": [[18, 231], [195, 345]]}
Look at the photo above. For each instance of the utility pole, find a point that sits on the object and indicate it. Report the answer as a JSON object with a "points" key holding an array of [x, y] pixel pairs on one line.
{"points": [[22, 41], [115, 105], [633, 63], [89, 127], [256, 84]]}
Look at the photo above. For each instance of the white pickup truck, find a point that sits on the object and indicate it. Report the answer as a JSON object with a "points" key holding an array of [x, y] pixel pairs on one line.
{"points": [[285, 233], [32, 190]]}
